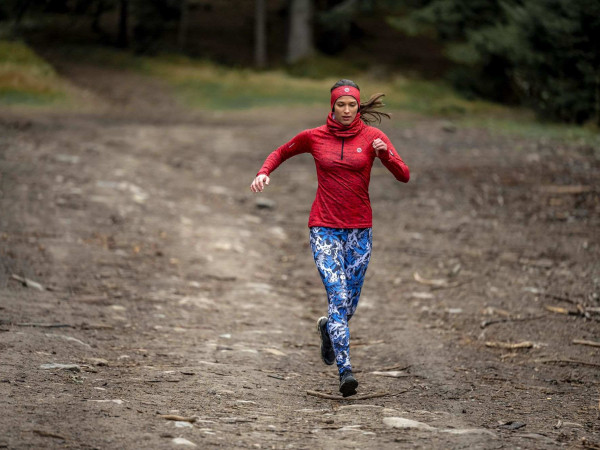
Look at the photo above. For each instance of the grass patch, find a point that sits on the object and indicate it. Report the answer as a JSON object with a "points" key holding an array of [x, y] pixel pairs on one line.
{"points": [[25, 78], [206, 85], [523, 124], [203, 84]]}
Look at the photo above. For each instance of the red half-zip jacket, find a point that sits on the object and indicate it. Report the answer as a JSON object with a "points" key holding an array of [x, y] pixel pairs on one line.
{"points": [[343, 165]]}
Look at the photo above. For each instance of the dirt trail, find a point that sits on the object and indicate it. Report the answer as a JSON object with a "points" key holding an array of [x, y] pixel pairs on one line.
{"points": [[174, 292]]}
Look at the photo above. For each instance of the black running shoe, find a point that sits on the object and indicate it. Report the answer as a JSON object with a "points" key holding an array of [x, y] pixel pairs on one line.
{"points": [[327, 353], [348, 384]]}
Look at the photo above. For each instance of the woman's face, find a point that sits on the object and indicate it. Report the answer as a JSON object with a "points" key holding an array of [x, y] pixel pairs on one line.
{"points": [[345, 109]]}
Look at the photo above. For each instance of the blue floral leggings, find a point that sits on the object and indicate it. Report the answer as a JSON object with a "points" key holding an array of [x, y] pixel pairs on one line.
{"points": [[342, 256]]}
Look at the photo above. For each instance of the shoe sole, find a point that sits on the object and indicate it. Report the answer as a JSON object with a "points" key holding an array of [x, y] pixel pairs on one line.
{"points": [[349, 387], [323, 337]]}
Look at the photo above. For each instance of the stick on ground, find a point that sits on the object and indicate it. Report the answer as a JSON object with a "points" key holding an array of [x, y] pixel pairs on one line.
{"points": [[568, 361], [486, 323], [352, 397], [583, 342]]}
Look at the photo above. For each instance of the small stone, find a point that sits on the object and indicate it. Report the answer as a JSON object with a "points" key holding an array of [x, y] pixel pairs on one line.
{"points": [[449, 127], [264, 203], [513, 425], [72, 367], [401, 422], [182, 441]]}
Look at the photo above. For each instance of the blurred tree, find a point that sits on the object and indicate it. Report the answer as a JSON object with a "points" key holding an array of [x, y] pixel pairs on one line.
{"points": [[300, 39], [454, 22], [151, 20], [542, 53], [98, 9], [554, 50], [335, 20], [184, 17], [123, 33], [260, 34]]}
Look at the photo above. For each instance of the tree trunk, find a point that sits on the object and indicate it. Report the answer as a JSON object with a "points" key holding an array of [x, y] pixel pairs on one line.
{"points": [[183, 24], [260, 35], [597, 105], [300, 41], [21, 10], [122, 37]]}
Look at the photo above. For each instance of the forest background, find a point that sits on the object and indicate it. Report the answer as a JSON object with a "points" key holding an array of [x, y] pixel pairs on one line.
{"points": [[537, 54]]}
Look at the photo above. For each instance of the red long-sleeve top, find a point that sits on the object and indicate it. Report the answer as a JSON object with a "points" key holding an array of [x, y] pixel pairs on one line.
{"points": [[343, 173]]}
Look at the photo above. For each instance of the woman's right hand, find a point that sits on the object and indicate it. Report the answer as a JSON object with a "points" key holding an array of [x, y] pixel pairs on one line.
{"points": [[259, 183]]}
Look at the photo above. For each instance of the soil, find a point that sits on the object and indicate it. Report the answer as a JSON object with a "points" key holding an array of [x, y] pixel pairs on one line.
{"points": [[171, 289]]}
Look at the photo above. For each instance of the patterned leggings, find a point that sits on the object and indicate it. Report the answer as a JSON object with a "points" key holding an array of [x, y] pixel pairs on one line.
{"points": [[342, 256]]}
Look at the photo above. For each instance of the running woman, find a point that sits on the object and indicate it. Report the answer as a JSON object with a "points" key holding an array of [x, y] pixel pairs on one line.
{"points": [[341, 218]]}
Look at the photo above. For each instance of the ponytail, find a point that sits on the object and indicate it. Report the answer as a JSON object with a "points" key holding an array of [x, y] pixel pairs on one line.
{"points": [[368, 113]]}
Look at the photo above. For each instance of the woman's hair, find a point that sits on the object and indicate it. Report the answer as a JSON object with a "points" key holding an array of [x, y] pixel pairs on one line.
{"points": [[368, 112]]}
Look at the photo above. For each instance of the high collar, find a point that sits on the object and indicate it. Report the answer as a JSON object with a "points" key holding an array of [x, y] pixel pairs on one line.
{"points": [[344, 131]]}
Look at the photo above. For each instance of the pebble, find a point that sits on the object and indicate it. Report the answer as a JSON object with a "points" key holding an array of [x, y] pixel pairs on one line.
{"points": [[98, 361], [264, 203], [401, 422], [182, 441]]}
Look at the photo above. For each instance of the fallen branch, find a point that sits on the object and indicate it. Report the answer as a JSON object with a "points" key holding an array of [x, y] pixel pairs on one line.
{"points": [[568, 361], [430, 282], [45, 325], [486, 323], [557, 309], [583, 342], [28, 283], [561, 298], [525, 344], [191, 419], [49, 434], [392, 374], [277, 377], [400, 367], [570, 189], [451, 285], [353, 397], [560, 310]]}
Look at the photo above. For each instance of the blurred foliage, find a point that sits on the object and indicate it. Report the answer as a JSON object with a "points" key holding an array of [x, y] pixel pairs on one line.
{"points": [[539, 53], [25, 78]]}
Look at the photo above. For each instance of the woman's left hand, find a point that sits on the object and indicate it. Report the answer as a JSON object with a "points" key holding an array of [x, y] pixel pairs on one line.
{"points": [[379, 146]]}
